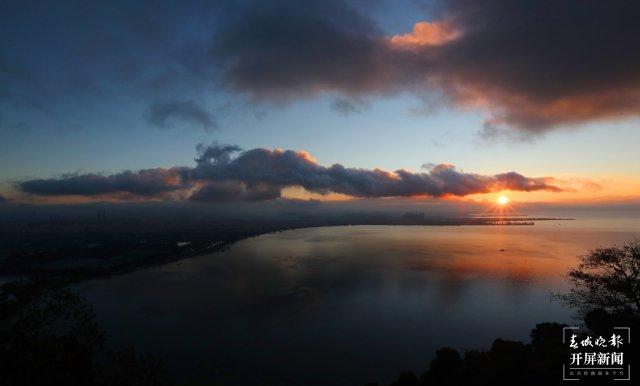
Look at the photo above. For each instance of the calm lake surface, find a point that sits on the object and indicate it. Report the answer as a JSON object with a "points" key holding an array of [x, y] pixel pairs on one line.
{"points": [[346, 305]]}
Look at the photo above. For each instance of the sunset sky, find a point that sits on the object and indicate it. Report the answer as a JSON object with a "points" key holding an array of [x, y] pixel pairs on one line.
{"points": [[548, 91]]}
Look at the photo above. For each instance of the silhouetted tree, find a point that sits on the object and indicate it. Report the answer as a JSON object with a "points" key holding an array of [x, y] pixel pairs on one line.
{"points": [[606, 279], [445, 369], [507, 362], [605, 288], [49, 336], [406, 379]]}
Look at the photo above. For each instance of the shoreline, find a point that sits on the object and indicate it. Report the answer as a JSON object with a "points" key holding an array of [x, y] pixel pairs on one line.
{"points": [[120, 265]]}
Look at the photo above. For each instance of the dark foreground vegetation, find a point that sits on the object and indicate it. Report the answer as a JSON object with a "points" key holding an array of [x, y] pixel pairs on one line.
{"points": [[605, 292], [49, 335]]}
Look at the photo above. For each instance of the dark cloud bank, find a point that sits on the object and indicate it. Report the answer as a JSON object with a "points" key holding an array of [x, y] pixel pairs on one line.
{"points": [[226, 173], [530, 65]]}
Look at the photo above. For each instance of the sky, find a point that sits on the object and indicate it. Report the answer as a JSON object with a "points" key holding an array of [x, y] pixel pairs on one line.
{"points": [[138, 100]]}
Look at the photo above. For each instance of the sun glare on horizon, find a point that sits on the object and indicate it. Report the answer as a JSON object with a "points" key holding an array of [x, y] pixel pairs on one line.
{"points": [[502, 200]]}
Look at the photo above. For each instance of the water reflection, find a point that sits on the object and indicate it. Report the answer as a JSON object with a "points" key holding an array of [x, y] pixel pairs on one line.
{"points": [[342, 305]]}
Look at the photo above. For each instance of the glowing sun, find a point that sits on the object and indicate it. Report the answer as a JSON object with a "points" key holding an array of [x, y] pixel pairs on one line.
{"points": [[502, 200]]}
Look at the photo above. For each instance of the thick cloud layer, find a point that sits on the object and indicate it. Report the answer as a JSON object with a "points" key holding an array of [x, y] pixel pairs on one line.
{"points": [[144, 183], [532, 65], [225, 173], [283, 49]]}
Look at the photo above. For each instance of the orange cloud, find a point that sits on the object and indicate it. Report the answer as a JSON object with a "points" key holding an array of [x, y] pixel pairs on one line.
{"points": [[523, 69], [426, 34], [261, 174]]}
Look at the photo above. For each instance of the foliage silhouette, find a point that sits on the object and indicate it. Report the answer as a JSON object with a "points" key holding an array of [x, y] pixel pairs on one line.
{"points": [[605, 290], [608, 279], [49, 336]]}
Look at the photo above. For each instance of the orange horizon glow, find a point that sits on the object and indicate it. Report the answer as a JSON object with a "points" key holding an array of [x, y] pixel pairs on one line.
{"points": [[580, 189]]}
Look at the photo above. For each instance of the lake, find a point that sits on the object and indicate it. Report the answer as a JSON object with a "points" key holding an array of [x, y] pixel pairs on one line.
{"points": [[346, 305]]}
